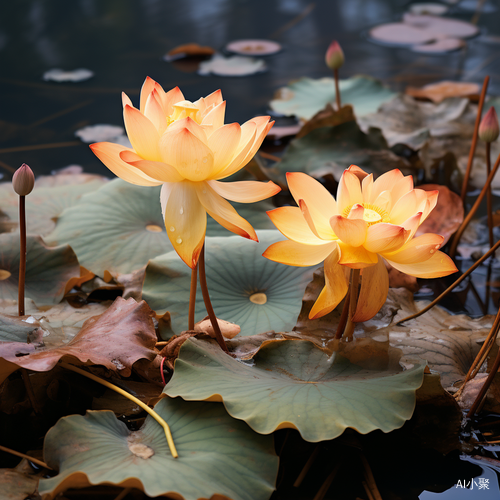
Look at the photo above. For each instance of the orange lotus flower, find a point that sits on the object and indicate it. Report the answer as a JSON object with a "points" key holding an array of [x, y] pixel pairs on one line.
{"points": [[186, 147], [370, 219]]}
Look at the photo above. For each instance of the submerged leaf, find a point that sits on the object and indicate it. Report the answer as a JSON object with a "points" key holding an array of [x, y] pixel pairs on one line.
{"points": [[219, 457], [245, 288], [293, 384]]}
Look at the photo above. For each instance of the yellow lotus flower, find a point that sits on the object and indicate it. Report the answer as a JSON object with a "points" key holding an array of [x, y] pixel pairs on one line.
{"points": [[186, 147], [369, 220]]}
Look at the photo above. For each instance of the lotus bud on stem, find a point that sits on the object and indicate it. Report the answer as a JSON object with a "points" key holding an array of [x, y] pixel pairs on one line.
{"points": [[488, 132], [334, 59], [23, 182]]}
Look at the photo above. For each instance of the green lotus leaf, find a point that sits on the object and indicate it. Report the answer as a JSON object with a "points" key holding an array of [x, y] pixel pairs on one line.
{"points": [[47, 269], [119, 227], [218, 456], [236, 273], [48, 200], [305, 97], [333, 149], [293, 384]]}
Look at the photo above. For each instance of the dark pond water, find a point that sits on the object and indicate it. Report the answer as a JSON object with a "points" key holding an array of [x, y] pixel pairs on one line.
{"points": [[123, 41]]}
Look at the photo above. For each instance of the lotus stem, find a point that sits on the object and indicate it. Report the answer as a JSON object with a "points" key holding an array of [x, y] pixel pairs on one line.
{"points": [[343, 317], [474, 138], [138, 402], [327, 483], [491, 251], [337, 89], [22, 254], [489, 203], [307, 466], [192, 297], [465, 223], [482, 354], [27, 457], [486, 386], [353, 302], [208, 303], [123, 493], [370, 480]]}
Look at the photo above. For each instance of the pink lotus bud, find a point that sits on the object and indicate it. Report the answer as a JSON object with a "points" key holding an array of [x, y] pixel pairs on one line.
{"points": [[23, 180], [334, 56], [488, 129]]}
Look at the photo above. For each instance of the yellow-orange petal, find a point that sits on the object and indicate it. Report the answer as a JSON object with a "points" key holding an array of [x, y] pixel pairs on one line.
{"points": [[409, 204], [437, 266], [214, 98], [291, 223], [352, 232], [109, 154], [146, 89], [185, 220], [385, 182], [384, 238], [403, 186], [417, 250], [317, 226], [411, 225], [142, 134], [358, 172], [223, 212], [185, 152], [319, 201], [432, 198], [168, 99], [155, 169], [373, 291], [357, 212], [356, 257], [245, 191], [297, 254], [126, 100], [223, 144], [214, 119], [154, 112], [349, 191], [366, 188], [335, 289]]}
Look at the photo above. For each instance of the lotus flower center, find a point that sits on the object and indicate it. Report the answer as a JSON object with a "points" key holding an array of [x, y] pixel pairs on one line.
{"points": [[258, 298], [4, 275], [183, 109], [371, 213]]}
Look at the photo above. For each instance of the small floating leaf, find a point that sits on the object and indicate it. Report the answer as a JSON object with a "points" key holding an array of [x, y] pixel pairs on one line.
{"points": [[219, 457]]}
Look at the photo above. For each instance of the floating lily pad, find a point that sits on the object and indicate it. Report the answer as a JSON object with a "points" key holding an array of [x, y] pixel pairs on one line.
{"points": [[245, 288], [293, 384], [305, 97], [231, 66], [219, 457], [60, 75], [47, 269], [51, 195], [333, 149]]}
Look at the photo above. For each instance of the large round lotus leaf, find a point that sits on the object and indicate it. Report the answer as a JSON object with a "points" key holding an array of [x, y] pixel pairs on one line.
{"points": [[305, 97], [119, 227], [47, 269], [116, 228], [333, 149], [218, 456], [245, 288], [48, 200], [293, 384]]}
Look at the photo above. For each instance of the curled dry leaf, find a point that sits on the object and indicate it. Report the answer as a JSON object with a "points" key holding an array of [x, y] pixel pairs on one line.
{"points": [[189, 50], [328, 117], [447, 215], [440, 91], [115, 339], [228, 329], [171, 350]]}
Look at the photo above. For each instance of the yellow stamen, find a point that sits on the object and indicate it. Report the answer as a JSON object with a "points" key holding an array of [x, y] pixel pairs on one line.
{"points": [[183, 109]]}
